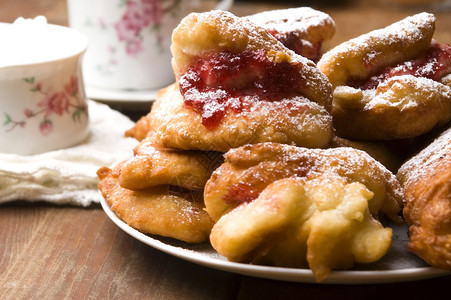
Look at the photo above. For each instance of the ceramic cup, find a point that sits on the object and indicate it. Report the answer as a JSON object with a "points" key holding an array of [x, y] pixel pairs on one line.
{"points": [[43, 105], [130, 40]]}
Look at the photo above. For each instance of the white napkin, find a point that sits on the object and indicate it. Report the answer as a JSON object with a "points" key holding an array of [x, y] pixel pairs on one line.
{"points": [[68, 176]]}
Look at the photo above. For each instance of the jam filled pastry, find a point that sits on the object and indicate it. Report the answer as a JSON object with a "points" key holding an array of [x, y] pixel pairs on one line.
{"points": [[390, 83], [426, 179], [237, 84], [306, 31], [286, 206], [247, 170]]}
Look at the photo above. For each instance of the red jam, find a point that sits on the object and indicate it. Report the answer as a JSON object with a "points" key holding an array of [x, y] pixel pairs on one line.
{"points": [[220, 81], [241, 193], [434, 64], [244, 192]]}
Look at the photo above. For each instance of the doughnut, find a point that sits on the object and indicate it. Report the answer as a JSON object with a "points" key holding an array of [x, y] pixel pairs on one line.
{"points": [[322, 223], [403, 107], [306, 31], [236, 84], [426, 180], [163, 210], [363, 56], [388, 83], [249, 169], [290, 121], [218, 57], [309, 28]]}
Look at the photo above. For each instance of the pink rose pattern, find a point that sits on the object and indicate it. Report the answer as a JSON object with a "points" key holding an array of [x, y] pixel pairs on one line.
{"points": [[138, 15], [52, 103]]}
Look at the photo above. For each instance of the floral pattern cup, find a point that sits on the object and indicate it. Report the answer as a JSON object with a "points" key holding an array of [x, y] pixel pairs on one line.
{"points": [[130, 40], [43, 105]]}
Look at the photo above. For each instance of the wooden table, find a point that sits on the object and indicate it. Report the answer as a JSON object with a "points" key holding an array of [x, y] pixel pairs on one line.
{"points": [[54, 252]]}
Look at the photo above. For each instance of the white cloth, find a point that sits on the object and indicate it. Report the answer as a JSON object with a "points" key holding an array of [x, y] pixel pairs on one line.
{"points": [[68, 176]]}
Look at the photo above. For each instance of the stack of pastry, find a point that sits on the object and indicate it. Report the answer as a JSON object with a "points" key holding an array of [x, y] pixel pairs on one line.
{"points": [[390, 83], [242, 149], [208, 111], [395, 83]]}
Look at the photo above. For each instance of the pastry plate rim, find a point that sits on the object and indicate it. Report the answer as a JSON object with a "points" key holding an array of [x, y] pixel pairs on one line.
{"points": [[215, 261]]}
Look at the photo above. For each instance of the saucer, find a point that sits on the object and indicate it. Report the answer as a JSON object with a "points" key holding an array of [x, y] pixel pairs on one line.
{"points": [[111, 96]]}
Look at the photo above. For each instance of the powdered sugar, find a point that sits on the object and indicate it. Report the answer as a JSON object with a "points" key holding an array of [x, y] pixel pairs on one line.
{"points": [[284, 161], [410, 28], [419, 165], [401, 41], [286, 20]]}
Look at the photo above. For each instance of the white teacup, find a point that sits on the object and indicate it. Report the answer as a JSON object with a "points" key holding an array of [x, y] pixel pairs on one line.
{"points": [[43, 105], [130, 40]]}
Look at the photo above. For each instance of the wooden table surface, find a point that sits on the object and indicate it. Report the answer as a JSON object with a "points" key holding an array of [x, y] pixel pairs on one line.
{"points": [[64, 252]]}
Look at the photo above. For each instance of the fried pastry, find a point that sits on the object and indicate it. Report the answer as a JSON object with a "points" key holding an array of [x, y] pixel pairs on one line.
{"points": [[249, 169], [388, 82], [380, 151], [237, 84], [153, 165], [140, 129], [306, 31], [162, 210], [322, 223], [426, 179], [361, 57], [290, 121], [221, 54]]}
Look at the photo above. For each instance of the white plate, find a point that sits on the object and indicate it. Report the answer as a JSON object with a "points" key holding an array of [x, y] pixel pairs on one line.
{"points": [[398, 265], [120, 96]]}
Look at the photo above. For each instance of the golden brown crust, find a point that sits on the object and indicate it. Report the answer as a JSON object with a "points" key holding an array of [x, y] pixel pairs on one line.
{"points": [[295, 121], [380, 151], [249, 169], [140, 129], [402, 107], [398, 101], [426, 179], [158, 211], [323, 222], [153, 165], [362, 56]]}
